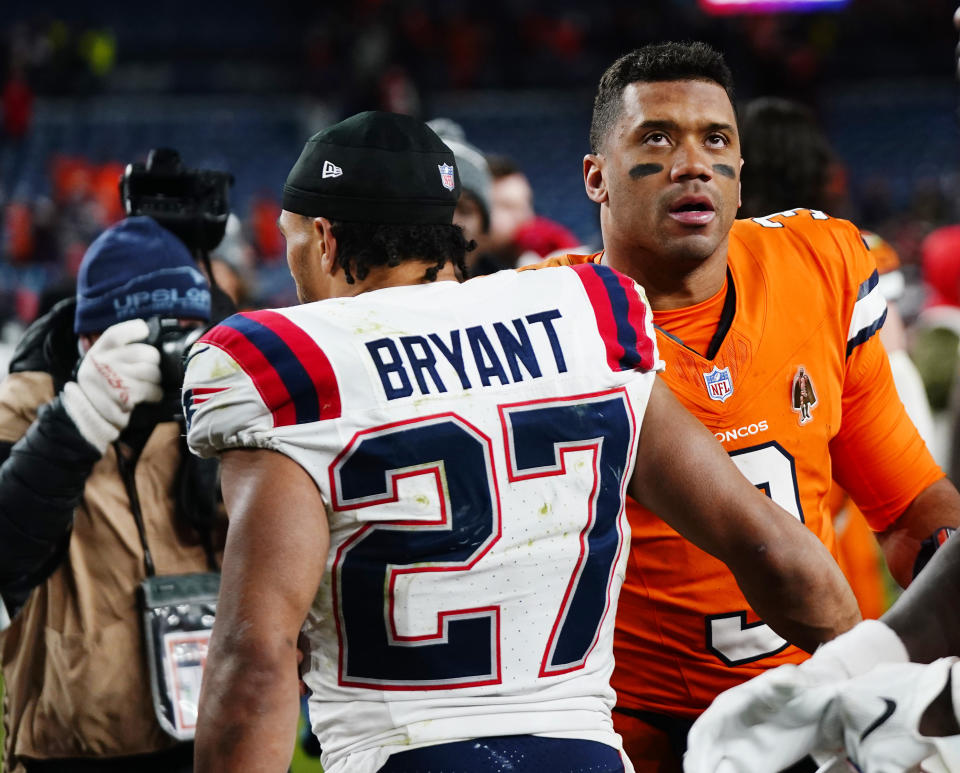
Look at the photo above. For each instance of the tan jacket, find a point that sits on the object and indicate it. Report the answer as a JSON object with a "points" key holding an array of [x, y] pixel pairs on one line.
{"points": [[73, 659]]}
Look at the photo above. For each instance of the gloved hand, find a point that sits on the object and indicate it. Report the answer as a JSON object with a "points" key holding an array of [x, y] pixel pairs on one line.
{"points": [[774, 720], [115, 375], [762, 726], [879, 715]]}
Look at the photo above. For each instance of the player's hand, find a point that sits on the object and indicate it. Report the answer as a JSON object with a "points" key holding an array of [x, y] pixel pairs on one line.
{"points": [[764, 725], [880, 713], [774, 720], [115, 376]]}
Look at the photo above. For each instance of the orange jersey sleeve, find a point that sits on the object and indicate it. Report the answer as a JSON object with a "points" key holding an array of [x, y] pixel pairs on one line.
{"points": [[878, 455], [564, 260]]}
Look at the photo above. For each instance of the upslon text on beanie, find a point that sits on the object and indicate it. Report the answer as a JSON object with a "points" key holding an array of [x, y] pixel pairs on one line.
{"points": [[137, 269]]}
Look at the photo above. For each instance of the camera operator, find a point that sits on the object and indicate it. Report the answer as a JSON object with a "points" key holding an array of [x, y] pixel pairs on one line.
{"points": [[97, 493]]}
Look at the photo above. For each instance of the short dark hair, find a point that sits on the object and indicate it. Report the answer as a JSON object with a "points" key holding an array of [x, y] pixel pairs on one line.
{"points": [[787, 157], [362, 246], [502, 166], [651, 64]]}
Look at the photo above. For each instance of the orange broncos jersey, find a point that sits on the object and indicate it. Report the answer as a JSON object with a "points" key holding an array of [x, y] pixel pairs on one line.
{"points": [[799, 392]]}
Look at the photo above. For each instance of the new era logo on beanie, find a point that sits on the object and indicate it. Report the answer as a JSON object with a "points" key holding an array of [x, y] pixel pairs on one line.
{"points": [[399, 172], [134, 270]]}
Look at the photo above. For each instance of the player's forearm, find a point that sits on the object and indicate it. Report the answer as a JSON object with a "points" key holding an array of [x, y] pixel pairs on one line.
{"points": [[787, 575], [936, 506], [926, 616], [248, 715], [797, 588]]}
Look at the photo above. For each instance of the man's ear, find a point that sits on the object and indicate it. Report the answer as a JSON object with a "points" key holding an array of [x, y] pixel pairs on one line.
{"points": [[326, 245], [593, 180], [740, 186]]}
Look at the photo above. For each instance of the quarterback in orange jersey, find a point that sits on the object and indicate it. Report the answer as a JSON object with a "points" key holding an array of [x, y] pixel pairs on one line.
{"points": [[768, 329]]}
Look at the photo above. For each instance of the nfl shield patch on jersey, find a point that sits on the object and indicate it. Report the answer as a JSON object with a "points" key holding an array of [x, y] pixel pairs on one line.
{"points": [[719, 384]]}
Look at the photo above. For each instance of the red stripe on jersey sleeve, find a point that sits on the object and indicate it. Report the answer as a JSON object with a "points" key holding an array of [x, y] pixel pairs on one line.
{"points": [[637, 316], [311, 357], [265, 378], [602, 311]]}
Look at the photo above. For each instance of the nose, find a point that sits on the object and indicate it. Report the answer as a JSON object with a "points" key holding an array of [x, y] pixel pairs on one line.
{"points": [[690, 162]]}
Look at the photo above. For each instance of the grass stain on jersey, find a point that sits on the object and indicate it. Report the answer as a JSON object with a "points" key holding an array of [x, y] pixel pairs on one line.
{"points": [[224, 367], [373, 325], [545, 509]]}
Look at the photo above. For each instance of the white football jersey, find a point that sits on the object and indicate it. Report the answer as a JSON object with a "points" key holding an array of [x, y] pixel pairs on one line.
{"points": [[473, 443]]}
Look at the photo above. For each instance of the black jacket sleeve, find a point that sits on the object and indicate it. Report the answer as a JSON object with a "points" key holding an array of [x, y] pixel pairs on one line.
{"points": [[41, 483]]}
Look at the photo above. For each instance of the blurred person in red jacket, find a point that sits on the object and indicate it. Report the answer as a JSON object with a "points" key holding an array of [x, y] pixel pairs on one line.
{"points": [[518, 236], [17, 99], [16, 113]]}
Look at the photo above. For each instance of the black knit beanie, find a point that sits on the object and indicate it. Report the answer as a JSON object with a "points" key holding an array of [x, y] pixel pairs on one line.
{"points": [[375, 167]]}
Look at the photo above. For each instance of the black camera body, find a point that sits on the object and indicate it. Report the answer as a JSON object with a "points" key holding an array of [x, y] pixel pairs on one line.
{"points": [[192, 203], [173, 340]]}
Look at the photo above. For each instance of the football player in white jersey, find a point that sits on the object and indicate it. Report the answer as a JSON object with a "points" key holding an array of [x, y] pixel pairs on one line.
{"points": [[428, 478]]}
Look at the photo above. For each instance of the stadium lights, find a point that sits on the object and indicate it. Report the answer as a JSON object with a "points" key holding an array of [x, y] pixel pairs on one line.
{"points": [[729, 7]]}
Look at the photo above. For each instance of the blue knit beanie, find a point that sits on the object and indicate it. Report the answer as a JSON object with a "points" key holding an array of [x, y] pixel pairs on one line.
{"points": [[134, 270]]}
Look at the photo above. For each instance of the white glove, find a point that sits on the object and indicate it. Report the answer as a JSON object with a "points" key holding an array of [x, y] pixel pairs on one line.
{"points": [[114, 376], [761, 726], [774, 720], [879, 714]]}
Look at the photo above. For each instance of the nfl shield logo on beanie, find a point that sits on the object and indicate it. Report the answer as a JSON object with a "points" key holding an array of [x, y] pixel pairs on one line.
{"points": [[446, 176]]}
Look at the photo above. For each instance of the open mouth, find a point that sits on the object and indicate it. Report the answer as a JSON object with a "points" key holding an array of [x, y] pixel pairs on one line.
{"points": [[693, 211]]}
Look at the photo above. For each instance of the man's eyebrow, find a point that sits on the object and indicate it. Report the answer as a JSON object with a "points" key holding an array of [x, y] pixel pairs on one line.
{"points": [[668, 125], [719, 127], [662, 124]]}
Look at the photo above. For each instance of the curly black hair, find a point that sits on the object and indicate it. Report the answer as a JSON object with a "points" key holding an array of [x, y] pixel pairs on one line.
{"points": [[652, 64], [362, 246], [787, 155]]}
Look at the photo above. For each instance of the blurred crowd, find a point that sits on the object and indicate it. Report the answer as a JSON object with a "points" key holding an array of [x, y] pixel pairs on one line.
{"points": [[401, 51], [398, 56], [45, 238]]}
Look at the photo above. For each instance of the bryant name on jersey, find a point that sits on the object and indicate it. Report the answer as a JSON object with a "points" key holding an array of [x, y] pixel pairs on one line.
{"points": [[468, 357]]}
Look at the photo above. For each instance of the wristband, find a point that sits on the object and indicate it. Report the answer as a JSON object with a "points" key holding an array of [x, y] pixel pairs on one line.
{"points": [[930, 546]]}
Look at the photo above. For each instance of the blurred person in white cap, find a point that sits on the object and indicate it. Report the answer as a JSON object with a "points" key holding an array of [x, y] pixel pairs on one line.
{"points": [[473, 207], [473, 210]]}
